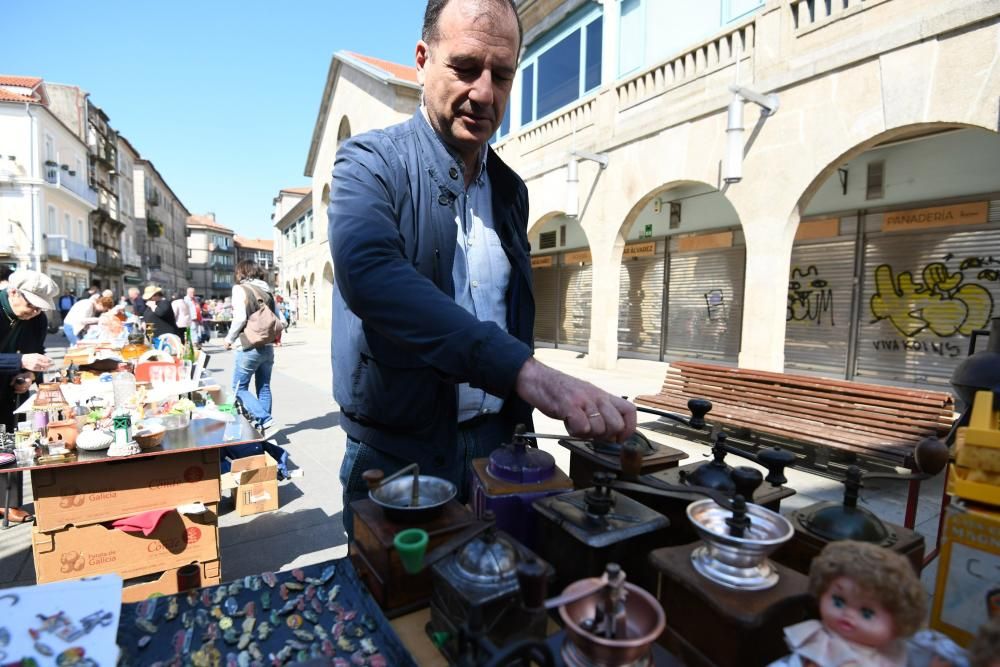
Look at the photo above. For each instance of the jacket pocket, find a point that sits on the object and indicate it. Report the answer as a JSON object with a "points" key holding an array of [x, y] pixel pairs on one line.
{"points": [[395, 398]]}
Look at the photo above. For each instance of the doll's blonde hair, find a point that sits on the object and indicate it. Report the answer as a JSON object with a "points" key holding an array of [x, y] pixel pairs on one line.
{"points": [[881, 573]]}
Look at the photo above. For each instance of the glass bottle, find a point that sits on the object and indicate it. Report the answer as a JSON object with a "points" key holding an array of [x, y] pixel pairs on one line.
{"points": [[189, 351], [124, 387], [136, 346]]}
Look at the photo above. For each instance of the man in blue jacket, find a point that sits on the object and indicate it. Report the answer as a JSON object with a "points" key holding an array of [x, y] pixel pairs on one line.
{"points": [[433, 311]]}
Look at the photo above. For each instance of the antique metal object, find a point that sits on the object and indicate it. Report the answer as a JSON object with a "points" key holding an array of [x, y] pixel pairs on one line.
{"points": [[737, 543], [483, 573], [609, 621], [409, 498], [596, 526], [378, 563], [510, 480]]}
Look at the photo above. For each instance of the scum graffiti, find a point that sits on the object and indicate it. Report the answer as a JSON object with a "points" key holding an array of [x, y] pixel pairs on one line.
{"points": [[940, 302], [809, 297]]}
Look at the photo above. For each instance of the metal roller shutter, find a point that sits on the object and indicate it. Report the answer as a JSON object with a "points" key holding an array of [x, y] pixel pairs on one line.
{"points": [[923, 294], [545, 283], [640, 305], [705, 303], [818, 318], [575, 283]]}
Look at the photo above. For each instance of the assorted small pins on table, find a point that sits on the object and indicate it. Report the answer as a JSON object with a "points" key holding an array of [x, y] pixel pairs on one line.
{"points": [[266, 619]]}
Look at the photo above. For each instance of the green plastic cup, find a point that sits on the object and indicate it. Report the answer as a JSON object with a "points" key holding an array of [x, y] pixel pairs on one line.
{"points": [[411, 545]]}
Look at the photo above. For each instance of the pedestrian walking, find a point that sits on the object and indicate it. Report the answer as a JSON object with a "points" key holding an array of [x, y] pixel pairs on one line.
{"points": [[138, 303], [66, 302], [254, 355]]}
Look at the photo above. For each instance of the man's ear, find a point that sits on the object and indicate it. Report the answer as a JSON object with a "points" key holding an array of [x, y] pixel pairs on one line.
{"points": [[423, 54]]}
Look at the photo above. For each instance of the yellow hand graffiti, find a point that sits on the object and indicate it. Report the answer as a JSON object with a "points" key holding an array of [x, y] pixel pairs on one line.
{"points": [[937, 278]]}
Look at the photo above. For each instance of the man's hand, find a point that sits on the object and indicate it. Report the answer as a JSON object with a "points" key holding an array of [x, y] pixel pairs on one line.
{"points": [[587, 411], [35, 362], [22, 382]]}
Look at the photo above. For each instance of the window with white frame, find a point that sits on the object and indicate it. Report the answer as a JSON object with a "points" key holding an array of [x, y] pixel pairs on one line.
{"points": [[563, 69], [66, 225], [631, 36], [53, 225]]}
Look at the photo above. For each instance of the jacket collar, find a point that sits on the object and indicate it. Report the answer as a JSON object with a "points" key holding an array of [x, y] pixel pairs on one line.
{"points": [[442, 159]]}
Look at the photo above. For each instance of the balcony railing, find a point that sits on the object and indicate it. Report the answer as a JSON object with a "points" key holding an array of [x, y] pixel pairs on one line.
{"points": [[65, 250], [221, 285], [75, 183], [132, 260], [108, 261]]}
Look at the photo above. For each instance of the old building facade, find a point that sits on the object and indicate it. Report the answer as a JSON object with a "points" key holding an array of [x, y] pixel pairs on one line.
{"points": [[159, 212], [774, 184], [300, 254], [211, 257], [259, 251], [45, 199], [361, 93]]}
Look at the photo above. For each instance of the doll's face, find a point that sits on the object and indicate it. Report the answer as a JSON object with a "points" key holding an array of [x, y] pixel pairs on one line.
{"points": [[854, 614]]}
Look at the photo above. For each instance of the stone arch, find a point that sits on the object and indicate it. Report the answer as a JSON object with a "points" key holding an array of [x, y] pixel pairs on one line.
{"points": [[325, 196], [343, 130], [312, 297]]}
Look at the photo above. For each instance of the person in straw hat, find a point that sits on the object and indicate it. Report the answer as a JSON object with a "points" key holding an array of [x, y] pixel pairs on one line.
{"points": [[158, 312]]}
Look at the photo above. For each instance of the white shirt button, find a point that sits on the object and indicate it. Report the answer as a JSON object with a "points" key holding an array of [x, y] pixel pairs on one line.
{"points": [[475, 283]]}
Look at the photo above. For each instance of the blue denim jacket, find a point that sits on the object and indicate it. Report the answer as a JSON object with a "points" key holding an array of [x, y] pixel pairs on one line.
{"points": [[400, 343]]}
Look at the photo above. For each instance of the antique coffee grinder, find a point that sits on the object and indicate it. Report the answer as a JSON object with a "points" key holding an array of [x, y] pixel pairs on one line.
{"points": [[609, 622], [585, 530], [725, 585], [403, 500], [481, 574], [825, 522], [715, 474], [510, 480]]}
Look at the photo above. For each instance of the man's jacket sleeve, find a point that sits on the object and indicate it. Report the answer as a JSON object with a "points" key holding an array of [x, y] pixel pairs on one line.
{"points": [[391, 297]]}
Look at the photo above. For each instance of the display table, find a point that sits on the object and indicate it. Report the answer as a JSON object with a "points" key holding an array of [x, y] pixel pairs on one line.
{"points": [[75, 501]]}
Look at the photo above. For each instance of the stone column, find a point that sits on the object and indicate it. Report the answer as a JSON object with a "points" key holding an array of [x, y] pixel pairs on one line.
{"points": [[606, 253], [765, 295]]}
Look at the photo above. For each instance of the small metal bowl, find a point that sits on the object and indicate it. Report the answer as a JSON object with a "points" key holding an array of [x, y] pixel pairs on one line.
{"points": [[394, 497], [737, 562]]}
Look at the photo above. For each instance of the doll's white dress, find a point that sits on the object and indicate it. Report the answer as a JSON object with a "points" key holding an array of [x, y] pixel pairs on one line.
{"points": [[811, 641]]}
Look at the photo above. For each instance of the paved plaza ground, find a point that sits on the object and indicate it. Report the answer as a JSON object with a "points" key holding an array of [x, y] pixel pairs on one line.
{"points": [[307, 527]]}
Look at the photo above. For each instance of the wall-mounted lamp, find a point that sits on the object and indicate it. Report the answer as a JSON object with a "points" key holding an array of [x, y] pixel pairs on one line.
{"points": [[573, 178], [734, 127]]}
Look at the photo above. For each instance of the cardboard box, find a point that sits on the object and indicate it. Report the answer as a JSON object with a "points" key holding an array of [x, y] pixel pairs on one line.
{"points": [[80, 551], [85, 494], [254, 481], [967, 593], [137, 590]]}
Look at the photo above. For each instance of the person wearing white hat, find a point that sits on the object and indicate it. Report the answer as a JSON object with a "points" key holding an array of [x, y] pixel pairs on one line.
{"points": [[22, 354]]}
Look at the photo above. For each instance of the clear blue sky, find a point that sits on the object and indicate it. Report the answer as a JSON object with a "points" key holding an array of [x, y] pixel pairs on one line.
{"points": [[220, 95]]}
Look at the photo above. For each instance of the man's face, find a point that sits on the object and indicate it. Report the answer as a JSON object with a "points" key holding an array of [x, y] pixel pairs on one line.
{"points": [[133, 293], [190, 292], [23, 309], [468, 72]]}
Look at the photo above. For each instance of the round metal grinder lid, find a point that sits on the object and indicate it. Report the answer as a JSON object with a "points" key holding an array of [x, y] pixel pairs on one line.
{"points": [[489, 558], [521, 465]]}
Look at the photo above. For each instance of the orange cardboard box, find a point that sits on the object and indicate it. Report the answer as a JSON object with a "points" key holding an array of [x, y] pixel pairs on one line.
{"points": [[255, 483], [85, 494], [166, 583], [80, 551]]}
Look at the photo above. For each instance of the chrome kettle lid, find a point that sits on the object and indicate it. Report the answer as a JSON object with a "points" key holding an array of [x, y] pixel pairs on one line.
{"points": [[487, 558]]}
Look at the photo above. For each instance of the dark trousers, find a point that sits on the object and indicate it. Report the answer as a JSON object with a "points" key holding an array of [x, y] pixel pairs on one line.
{"points": [[477, 439]]}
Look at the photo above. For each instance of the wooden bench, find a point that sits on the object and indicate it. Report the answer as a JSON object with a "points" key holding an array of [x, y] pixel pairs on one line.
{"points": [[829, 424]]}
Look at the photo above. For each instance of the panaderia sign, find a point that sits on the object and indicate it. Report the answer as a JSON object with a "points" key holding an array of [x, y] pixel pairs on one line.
{"points": [[971, 213]]}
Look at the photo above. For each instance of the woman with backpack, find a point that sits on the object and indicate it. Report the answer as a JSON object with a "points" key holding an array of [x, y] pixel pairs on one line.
{"points": [[254, 328]]}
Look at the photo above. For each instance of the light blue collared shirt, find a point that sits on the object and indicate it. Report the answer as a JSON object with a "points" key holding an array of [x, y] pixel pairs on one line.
{"points": [[481, 273]]}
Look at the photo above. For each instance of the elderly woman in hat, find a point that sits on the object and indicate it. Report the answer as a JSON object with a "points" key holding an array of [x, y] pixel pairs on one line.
{"points": [[22, 354], [158, 312]]}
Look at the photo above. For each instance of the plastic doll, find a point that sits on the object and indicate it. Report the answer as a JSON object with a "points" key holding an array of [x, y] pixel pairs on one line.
{"points": [[870, 601]]}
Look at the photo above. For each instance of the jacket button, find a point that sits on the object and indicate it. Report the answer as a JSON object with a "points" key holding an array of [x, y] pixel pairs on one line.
{"points": [[444, 200], [453, 173], [439, 461]]}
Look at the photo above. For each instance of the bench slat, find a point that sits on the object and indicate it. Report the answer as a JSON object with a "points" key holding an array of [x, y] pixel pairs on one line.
{"points": [[915, 396], [882, 404], [795, 404], [813, 434]]}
